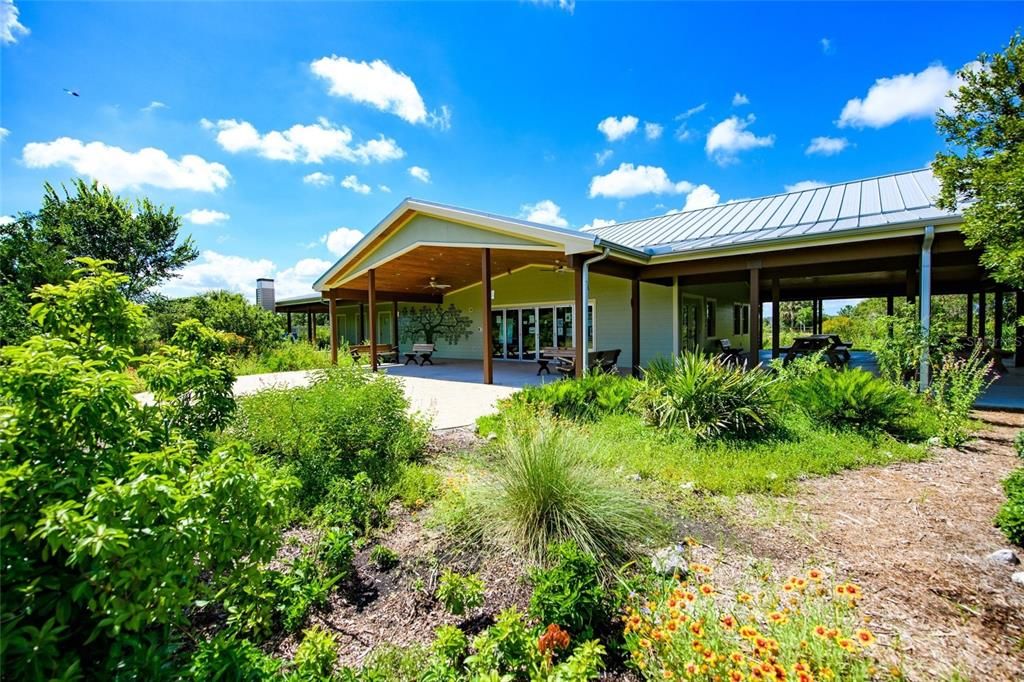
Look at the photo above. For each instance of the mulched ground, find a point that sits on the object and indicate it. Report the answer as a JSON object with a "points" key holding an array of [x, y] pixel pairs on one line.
{"points": [[916, 537]]}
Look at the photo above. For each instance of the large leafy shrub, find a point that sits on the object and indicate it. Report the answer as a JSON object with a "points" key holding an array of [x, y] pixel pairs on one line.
{"points": [[853, 398], [568, 593], [806, 628], [253, 329], [348, 421], [543, 487], [1010, 518], [707, 396], [117, 516], [587, 398], [956, 384]]}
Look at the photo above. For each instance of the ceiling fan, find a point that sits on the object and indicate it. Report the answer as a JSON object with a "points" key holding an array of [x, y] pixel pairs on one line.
{"points": [[433, 284], [558, 268]]}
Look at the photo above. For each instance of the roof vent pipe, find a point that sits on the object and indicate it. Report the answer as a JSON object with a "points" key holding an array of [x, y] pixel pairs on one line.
{"points": [[585, 314]]}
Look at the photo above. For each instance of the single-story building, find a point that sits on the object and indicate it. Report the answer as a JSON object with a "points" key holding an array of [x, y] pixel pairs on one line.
{"points": [[652, 287]]}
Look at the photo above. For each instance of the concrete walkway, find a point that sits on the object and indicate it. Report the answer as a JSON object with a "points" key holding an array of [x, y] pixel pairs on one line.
{"points": [[447, 403]]}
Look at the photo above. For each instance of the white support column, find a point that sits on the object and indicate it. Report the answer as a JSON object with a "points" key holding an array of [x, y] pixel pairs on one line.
{"points": [[675, 316], [925, 293]]}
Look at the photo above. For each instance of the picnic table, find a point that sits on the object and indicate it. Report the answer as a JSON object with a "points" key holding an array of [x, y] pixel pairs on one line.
{"points": [[837, 351], [565, 359], [361, 351]]}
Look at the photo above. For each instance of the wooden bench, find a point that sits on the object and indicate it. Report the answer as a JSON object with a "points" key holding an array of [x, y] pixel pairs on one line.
{"points": [[556, 354], [424, 351], [729, 354], [601, 360], [360, 352]]}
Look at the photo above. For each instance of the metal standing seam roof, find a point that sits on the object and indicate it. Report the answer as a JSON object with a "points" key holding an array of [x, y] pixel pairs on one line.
{"points": [[889, 200]]}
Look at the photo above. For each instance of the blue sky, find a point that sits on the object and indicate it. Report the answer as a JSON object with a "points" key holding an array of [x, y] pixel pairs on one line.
{"points": [[279, 128]]}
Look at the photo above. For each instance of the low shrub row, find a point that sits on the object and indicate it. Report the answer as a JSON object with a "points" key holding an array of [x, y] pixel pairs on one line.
{"points": [[1010, 518]]}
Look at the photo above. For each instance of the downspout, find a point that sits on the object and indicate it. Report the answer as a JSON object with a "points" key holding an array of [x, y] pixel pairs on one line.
{"points": [[586, 300], [925, 294]]}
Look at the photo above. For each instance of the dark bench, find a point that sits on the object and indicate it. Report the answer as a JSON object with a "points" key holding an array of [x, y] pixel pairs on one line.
{"points": [[424, 351]]}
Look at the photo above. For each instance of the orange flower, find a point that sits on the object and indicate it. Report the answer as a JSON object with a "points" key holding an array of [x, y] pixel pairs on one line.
{"points": [[697, 629], [728, 622], [691, 668], [552, 639], [866, 637], [840, 589], [776, 617], [833, 633], [853, 590], [800, 667], [736, 657], [846, 644], [788, 587], [709, 656], [815, 575], [744, 598], [735, 676], [645, 644], [804, 677], [748, 632], [696, 645], [707, 590], [667, 674], [672, 625], [672, 603], [821, 631]]}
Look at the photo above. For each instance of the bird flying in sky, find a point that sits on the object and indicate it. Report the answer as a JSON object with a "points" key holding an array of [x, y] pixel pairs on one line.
{"points": [[72, 93]]}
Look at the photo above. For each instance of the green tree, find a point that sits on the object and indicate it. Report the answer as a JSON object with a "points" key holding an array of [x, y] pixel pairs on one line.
{"points": [[252, 329], [982, 167], [117, 516], [141, 239]]}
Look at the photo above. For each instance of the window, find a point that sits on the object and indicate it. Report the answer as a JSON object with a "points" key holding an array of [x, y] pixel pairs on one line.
{"points": [[710, 321], [740, 319]]}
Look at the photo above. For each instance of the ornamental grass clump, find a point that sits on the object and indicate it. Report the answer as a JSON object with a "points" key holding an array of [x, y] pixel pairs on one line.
{"points": [[543, 487], [803, 629], [707, 397]]}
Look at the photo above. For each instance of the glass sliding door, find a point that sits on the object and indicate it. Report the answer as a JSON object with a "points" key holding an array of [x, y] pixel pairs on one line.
{"points": [[563, 326], [512, 341], [498, 333], [529, 333], [547, 327]]}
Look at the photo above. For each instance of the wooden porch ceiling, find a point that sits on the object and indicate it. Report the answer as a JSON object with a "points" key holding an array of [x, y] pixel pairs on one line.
{"points": [[457, 267]]}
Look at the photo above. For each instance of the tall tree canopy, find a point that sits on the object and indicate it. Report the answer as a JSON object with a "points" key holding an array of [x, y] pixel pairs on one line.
{"points": [[139, 238], [984, 159]]}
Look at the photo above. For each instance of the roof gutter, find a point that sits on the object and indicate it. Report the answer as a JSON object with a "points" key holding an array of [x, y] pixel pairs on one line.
{"points": [[585, 312], [925, 290]]}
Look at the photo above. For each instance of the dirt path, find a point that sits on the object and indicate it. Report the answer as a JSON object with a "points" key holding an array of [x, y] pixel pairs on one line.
{"points": [[916, 537]]}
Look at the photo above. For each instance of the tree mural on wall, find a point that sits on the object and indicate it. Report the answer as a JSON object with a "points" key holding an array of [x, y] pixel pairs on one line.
{"points": [[427, 324]]}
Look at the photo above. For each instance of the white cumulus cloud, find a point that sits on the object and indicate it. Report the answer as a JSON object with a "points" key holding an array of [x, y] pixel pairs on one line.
{"points": [[545, 212], [420, 173], [352, 182], [602, 156], [384, 188], [298, 279], [10, 27], [827, 146], [218, 271], [313, 143], [318, 179], [731, 136], [339, 241], [906, 96], [739, 99], [379, 85], [617, 128], [121, 169], [702, 196], [153, 106], [597, 223], [804, 185], [564, 5], [205, 216], [6, 219], [652, 131], [628, 181]]}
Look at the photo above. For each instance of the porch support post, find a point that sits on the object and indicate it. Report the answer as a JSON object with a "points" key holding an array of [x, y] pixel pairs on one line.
{"points": [[910, 285], [577, 315], [970, 315], [394, 324], [634, 304], [821, 316], [925, 292], [755, 316], [890, 310], [309, 328], [776, 327], [981, 315], [814, 316], [997, 332], [332, 309], [1018, 358], [362, 324], [485, 313], [288, 317], [371, 295]]}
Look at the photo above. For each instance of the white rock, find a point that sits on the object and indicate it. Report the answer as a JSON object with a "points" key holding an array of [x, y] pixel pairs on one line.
{"points": [[1004, 556], [1018, 578], [670, 561]]}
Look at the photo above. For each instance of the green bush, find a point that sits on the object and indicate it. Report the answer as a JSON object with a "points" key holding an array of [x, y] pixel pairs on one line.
{"points": [[254, 329], [854, 398], [1010, 518], [225, 657], [588, 398], [569, 592], [707, 396], [544, 487], [336, 550], [417, 485], [383, 557], [450, 645], [288, 356], [348, 421], [460, 593], [352, 503], [956, 384], [1018, 443], [316, 656], [117, 517]]}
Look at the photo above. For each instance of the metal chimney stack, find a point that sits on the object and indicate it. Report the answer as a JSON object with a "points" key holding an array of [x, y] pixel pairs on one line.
{"points": [[265, 293]]}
